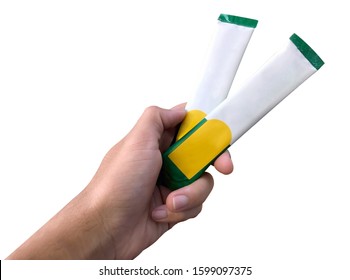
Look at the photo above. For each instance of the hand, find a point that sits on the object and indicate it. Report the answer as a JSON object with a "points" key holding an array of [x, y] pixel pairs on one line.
{"points": [[122, 211]]}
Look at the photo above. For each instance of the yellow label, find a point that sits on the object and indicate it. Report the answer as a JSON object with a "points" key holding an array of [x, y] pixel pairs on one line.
{"points": [[201, 147], [192, 118]]}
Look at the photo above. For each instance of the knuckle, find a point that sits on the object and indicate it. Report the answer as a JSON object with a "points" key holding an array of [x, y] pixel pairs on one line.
{"points": [[152, 116], [151, 111]]}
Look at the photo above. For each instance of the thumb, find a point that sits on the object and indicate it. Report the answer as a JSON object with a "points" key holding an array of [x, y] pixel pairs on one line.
{"points": [[154, 121]]}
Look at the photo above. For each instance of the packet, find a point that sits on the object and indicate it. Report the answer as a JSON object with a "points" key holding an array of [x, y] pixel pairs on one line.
{"points": [[188, 158], [225, 54]]}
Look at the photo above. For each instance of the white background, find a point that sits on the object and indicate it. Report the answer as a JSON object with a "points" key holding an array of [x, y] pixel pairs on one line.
{"points": [[76, 75]]}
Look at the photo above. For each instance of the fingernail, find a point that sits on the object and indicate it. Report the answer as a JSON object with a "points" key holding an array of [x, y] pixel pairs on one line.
{"points": [[180, 201], [159, 214]]}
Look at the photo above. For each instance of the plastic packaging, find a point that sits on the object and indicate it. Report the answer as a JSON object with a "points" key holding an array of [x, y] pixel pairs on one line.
{"points": [[188, 158], [225, 54]]}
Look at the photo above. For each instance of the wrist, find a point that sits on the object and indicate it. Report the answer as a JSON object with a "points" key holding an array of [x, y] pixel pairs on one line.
{"points": [[76, 232], [87, 238]]}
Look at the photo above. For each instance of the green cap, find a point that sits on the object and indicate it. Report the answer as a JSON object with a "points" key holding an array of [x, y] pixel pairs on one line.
{"points": [[248, 22], [307, 51]]}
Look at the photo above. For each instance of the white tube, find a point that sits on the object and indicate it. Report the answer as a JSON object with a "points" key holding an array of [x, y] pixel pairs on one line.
{"points": [[187, 159], [226, 52], [277, 78]]}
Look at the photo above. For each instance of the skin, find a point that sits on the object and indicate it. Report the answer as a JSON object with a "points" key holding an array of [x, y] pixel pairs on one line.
{"points": [[122, 211]]}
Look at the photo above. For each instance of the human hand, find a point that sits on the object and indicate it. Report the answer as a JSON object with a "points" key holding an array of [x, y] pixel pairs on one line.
{"points": [[143, 210], [122, 211]]}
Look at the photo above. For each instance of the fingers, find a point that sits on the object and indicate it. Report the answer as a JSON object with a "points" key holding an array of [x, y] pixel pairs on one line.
{"points": [[185, 203], [224, 164]]}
